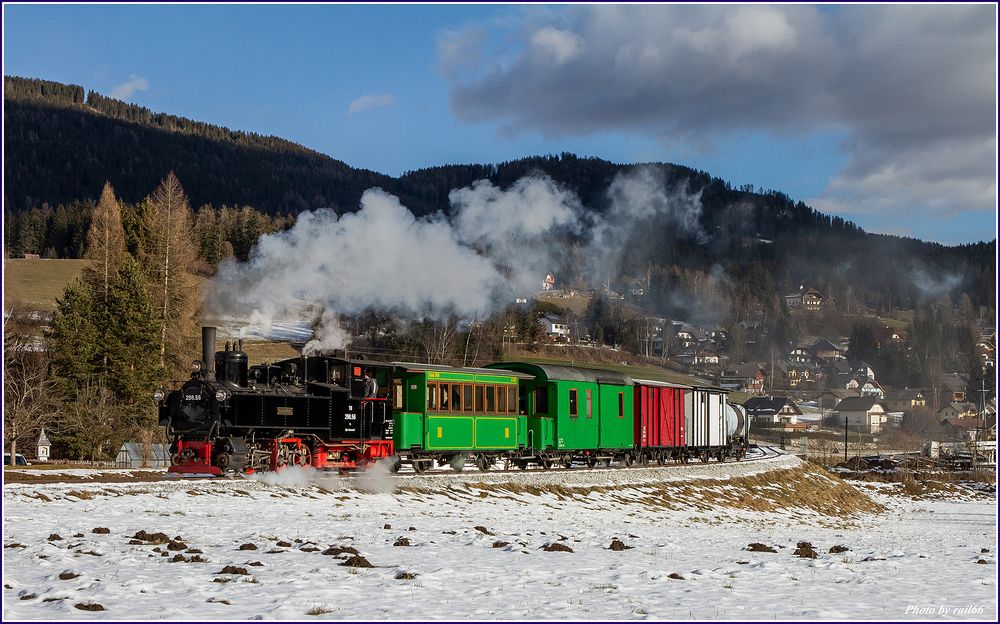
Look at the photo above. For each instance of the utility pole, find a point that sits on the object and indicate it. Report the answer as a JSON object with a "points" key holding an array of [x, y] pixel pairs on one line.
{"points": [[845, 439]]}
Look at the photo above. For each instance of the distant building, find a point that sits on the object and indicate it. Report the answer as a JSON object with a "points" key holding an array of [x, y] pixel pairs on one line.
{"points": [[772, 411], [747, 377], [905, 400], [864, 413], [829, 398], [555, 329], [808, 299], [956, 410]]}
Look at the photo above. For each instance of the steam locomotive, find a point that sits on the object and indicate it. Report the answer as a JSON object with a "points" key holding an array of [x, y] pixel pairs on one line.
{"points": [[335, 413]]}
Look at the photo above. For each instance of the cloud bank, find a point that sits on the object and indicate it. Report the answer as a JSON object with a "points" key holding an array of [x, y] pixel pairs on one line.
{"points": [[912, 88]]}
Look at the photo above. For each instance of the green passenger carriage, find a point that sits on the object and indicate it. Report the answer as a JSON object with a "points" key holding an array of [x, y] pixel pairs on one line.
{"points": [[447, 414]]}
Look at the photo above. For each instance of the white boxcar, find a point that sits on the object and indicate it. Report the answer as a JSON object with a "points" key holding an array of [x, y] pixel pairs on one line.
{"points": [[705, 416]]}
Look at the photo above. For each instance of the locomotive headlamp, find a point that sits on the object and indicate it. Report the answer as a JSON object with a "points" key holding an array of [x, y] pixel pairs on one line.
{"points": [[158, 395], [221, 395], [196, 366]]}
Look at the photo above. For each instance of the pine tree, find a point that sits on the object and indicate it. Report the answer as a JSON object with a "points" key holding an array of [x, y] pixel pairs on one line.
{"points": [[130, 333], [73, 339], [105, 241], [168, 261]]}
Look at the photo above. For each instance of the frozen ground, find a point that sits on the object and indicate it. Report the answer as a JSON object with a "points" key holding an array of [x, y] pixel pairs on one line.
{"points": [[919, 555]]}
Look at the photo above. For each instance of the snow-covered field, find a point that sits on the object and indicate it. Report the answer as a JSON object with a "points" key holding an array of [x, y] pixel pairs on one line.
{"points": [[687, 541]]}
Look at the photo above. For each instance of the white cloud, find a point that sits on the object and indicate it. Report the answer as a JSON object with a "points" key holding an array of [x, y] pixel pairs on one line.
{"points": [[911, 87], [459, 49], [126, 89], [368, 102], [555, 46]]}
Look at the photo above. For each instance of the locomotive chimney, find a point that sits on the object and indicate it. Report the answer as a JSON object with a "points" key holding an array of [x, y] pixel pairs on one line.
{"points": [[208, 350]]}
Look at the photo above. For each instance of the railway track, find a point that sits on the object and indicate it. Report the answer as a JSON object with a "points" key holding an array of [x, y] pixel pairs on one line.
{"points": [[766, 452]]}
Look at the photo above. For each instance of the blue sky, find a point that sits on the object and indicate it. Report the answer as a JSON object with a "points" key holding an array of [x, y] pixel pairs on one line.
{"points": [[446, 84]]}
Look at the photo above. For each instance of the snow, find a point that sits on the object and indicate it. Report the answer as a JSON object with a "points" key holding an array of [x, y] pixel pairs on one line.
{"points": [[919, 554], [86, 473]]}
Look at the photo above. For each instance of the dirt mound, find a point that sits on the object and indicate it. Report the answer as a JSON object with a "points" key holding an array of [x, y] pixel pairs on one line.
{"points": [[357, 561], [556, 547], [483, 530], [836, 550], [401, 542], [55, 537], [248, 546], [675, 576], [152, 538], [90, 606], [499, 544], [805, 550], [405, 576], [284, 544], [333, 551], [175, 545], [67, 575], [758, 547], [617, 544], [233, 570]]}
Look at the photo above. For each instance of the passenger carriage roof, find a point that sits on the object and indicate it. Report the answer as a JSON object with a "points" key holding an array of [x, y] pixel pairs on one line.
{"points": [[551, 372], [416, 367]]}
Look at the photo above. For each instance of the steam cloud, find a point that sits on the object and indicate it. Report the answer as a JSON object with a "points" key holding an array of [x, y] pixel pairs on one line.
{"points": [[497, 242]]}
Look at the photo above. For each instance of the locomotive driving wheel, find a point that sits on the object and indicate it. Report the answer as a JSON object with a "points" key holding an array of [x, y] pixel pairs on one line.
{"points": [[483, 463]]}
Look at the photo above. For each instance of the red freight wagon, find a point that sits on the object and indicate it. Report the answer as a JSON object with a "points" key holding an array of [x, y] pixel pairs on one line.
{"points": [[659, 415]]}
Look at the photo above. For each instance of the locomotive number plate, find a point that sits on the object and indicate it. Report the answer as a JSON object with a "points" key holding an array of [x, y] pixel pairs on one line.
{"points": [[286, 411]]}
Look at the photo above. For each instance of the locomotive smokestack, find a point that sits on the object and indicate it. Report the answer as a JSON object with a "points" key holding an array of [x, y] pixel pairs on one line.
{"points": [[208, 350]]}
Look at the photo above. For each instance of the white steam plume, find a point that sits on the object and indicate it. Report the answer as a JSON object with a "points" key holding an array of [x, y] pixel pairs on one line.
{"points": [[383, 257]]}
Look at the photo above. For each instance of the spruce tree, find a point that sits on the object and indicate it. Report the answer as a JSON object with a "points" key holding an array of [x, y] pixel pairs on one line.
{"points": [[130, 334], [73, 339]]}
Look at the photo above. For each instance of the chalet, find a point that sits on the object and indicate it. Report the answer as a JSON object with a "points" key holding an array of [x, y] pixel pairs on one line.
{"points": [[824, 350], [808, 299], [961, 429], [706, 355], [955, 411], [549, 282], [746, 377], [772, 411], [717, 336], [865, 414], [829, 398], [905, 400], [555, 329], [864, 371], [801, 354]]}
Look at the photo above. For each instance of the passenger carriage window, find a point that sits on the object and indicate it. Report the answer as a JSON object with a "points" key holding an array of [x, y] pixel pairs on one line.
{"points": [[432, 396], [467, 397], [445, 396], [621, 405], [573, 412], [501, 400], [491, 401], [456, 397], [590, 404], [479, 399], [512, 400]]}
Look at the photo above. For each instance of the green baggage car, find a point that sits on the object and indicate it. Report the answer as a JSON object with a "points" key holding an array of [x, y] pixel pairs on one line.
{"points": [[574, 414]]}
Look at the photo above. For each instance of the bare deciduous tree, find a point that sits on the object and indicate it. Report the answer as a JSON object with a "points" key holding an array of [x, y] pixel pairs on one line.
{"points": [[27, 390], [95, 416]]}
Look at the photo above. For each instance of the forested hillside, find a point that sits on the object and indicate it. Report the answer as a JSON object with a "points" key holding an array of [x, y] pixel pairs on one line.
{"points": [[62, 144]]}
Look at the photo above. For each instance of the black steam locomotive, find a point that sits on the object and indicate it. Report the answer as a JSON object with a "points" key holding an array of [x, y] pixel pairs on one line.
{"points": [[312, 410]]}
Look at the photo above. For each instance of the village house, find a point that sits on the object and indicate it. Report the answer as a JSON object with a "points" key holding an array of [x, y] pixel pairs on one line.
{"points": [[824, 350], [829, 398], [801, 355], [838, 373], [554, 327], [746, 377], [808, 299], [905, 400], [866, 387], [706, 355], [865, 414], [885, 335], [956, 410], [549, 282], [772, 411]]}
